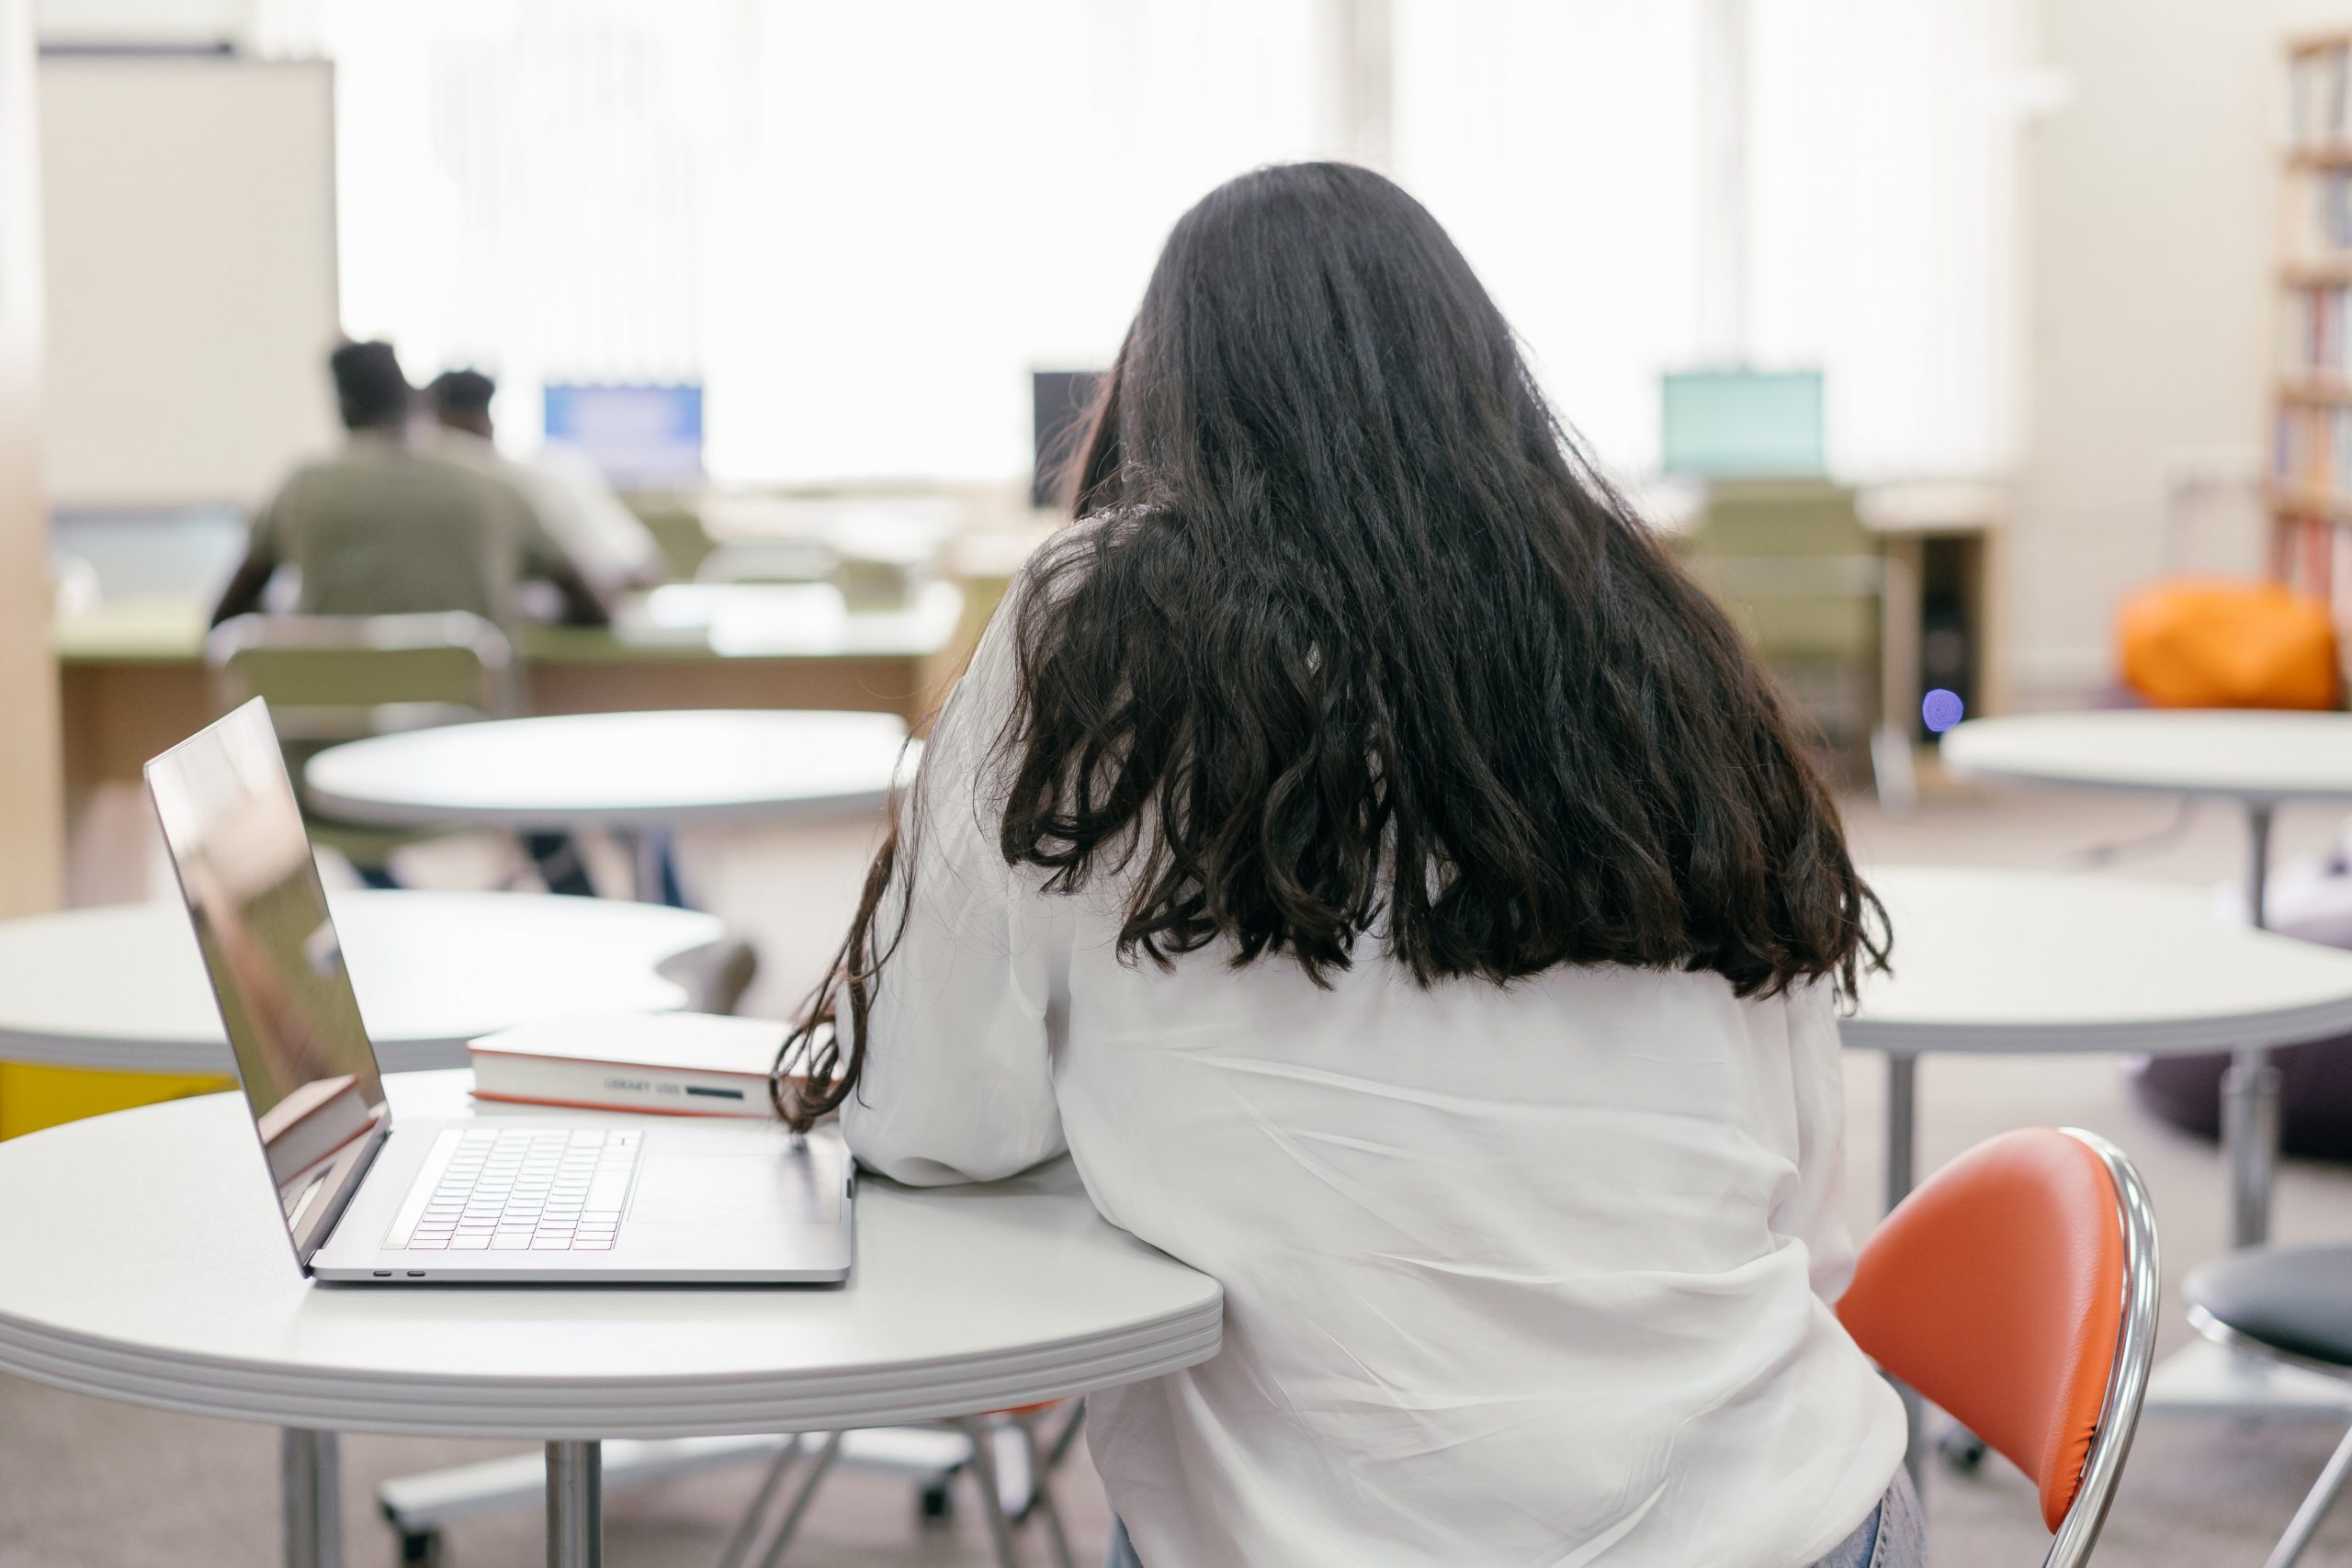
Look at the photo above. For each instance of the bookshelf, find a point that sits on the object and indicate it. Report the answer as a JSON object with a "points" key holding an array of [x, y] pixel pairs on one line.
{"points": [[2310, 491]]}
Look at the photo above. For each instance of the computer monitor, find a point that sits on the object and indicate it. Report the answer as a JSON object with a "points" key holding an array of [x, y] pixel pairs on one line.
{"points": [[236, 835], [1740, 423], [1058, 401]]}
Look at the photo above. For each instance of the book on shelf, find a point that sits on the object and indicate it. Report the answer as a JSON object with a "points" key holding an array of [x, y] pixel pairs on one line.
{"points": [[2313, 342], [2311, 452], [2318, 98], [677, 1063]]}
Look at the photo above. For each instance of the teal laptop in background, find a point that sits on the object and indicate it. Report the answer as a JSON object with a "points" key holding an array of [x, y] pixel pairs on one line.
{"points": [[1743, 424]]}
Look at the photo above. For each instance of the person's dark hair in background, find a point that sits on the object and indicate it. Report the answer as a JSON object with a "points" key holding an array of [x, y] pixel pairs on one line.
{"points": [[462, 399], [1359, 641], [371, 390]]}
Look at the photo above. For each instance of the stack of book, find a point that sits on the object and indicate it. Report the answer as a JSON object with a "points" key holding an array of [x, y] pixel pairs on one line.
{"points": [[2312, 449], [2314, 344]]}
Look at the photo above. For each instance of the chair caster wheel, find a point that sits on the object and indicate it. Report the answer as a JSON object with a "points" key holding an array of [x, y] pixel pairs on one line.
{"points": [[421, 1548], [1963, 1450], [936, 1504]]}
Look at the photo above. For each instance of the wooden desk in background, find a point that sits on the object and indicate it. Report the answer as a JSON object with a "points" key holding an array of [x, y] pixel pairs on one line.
{"points": [[133, 681]]}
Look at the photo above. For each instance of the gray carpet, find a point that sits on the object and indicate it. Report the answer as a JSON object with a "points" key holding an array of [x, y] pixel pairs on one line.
{"points": [[84, 1482]]}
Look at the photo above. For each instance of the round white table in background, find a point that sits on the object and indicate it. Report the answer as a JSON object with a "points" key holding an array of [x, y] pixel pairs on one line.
{"points": [[2258, 758], [122, 987], [2016, 962], [623, 772], [964, 1299]]}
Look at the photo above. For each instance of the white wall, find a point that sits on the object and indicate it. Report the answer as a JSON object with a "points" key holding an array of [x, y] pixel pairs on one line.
{"points": [[189, 211], [2150, 200]]}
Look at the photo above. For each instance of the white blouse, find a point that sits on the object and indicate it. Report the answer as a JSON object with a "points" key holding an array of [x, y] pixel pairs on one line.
{"points": [[1536, 1275]]}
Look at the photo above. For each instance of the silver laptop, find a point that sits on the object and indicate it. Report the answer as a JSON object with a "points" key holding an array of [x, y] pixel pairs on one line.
{"points": [[517, 1200]]}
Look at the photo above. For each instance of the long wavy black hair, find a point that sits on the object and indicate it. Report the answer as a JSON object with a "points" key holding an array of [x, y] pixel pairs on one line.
{"points": [[1358, 648]]}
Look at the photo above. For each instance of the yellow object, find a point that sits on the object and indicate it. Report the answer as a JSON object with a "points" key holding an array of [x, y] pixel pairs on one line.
{"points": [[2213, 643], [35, 1097]]}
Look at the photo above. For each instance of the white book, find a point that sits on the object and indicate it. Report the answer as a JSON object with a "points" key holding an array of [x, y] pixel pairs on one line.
{"points": [[678, 1064]]}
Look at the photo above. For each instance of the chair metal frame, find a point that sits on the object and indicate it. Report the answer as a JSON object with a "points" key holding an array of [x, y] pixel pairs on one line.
{"points": [[499, 693], [2333, 1476], [2127, 1377]]}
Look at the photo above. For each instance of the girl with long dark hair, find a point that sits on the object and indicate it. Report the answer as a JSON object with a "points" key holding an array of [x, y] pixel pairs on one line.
{"points": [[1366, 853]]}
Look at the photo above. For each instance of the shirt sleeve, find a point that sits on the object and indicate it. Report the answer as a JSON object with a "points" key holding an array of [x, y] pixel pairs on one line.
{"points": [[1817, 1209], [957, 1084], [543, 550]]}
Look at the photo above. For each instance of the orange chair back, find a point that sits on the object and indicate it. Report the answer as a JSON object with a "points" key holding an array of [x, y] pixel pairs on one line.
{"points": [[2001, 1289]]}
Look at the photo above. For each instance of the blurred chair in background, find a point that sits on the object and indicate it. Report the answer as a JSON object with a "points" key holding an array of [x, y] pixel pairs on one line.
{"points": [[2290, 1305], [1803, 579], [329, 678]]}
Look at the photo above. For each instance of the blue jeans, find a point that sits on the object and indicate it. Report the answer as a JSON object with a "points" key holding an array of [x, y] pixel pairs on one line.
{"points": [[1895, 1536], [1892, 1537]]}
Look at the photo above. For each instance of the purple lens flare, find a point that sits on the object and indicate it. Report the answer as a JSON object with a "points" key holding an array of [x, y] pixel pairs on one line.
{"points": [[1941, 709]]}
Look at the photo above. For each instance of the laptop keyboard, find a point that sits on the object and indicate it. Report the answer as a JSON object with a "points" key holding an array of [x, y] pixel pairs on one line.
{"points": [[519, 1190]]}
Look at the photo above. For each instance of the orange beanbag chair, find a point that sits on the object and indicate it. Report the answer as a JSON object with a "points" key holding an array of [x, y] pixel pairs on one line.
{"points": [[2192, 643]]}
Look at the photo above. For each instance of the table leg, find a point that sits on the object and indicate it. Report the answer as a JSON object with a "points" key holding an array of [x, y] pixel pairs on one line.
{"points": [[576, 1505], [2250, 1089], [312, 1474], [645, 864], [1893, 767], [1902, 1126], [1902, 1141]]}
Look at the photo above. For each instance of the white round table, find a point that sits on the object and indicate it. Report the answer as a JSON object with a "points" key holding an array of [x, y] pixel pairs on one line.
{"points": [[2014, 962], [122, 987], [628, 773], [964, 1299], [2038, 961], [2258, 758]]}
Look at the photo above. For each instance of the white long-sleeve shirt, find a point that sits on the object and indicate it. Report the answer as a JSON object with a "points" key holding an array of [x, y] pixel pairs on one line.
{"points": [[1535, 1275]]}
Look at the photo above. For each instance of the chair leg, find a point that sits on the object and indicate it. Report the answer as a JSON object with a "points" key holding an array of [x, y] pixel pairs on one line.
{"points": [[801, 1499], [991, 1500], [2315, 1505], [1041, 1498], [738, 1546], [1067, 1437]]}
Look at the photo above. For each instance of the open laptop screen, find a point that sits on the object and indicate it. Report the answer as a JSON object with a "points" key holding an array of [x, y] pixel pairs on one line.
{"points": [[236, 835]]}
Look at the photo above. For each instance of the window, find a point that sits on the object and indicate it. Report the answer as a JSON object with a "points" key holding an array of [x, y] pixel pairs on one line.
{"points": [[860, 226]]}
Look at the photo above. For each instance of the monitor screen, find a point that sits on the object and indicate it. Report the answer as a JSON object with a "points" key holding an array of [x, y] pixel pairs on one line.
{"points": [[236, 840], [1741, 424], [642, 438], [1059, 401]]}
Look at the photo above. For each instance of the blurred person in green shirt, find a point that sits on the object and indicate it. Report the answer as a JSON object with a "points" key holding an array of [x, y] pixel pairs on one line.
{"points": [[611, 545], [390, 526], [387, 528]]}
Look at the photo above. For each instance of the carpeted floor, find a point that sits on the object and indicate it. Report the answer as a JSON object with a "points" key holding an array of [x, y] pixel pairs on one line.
{"points": [[85, 1484]]}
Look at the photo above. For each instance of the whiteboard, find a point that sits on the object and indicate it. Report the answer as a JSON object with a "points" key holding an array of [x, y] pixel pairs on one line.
{"points": [[187, 207]]}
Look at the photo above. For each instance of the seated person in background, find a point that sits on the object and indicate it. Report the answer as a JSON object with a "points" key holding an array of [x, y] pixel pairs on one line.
{"points": [[1363, 847], [611, 547], [383, 528], [386, 528]]}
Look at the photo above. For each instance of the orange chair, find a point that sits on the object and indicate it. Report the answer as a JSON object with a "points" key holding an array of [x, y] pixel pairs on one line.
{"points": [[2016, 1289]]}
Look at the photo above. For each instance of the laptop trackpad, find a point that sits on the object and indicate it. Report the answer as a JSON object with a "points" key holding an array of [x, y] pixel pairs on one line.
{"points": [[779, 1187]]}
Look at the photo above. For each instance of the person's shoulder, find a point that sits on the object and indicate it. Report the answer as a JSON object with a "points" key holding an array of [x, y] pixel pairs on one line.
{"points": [[487, 475]]}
